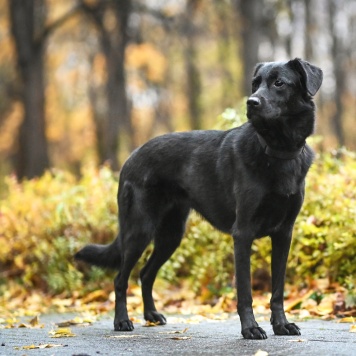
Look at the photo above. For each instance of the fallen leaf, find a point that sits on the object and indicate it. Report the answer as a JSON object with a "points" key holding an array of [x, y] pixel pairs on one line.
{"points": [[348, 319], [95, 296], [61, 332], [261, 353], [40, 346], [151, 323], [298, 340], [353, 328], [297, 301], [174, 331], [124, 336], [77, 321], [35, 321], [181, 337]]}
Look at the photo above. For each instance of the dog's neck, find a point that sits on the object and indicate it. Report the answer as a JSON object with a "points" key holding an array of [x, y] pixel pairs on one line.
{"points": [[271, 152]]}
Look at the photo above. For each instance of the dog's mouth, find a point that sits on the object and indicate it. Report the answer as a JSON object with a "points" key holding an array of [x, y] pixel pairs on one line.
{"points": [[267, 112]]}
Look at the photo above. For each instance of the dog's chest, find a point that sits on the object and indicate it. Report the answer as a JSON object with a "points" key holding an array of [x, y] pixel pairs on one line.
{"points": [[275, 210], [285, 180]]}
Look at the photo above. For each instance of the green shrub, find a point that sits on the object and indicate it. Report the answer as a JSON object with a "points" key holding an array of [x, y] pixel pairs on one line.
{"points": [[44, 221]]}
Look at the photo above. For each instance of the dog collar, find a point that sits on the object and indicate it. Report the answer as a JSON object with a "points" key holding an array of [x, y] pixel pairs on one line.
{"points": [[271, 152]]}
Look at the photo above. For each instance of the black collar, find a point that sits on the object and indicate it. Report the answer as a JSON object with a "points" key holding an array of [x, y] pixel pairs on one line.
{"points": [[271, 152]]}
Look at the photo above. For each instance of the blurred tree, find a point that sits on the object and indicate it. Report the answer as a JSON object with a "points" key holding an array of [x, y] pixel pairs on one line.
{"points": [[27, 25], [111, 20], [193, 81], [30, 32], [338, 57], [250, 13], [309, 29], [226, 19]]}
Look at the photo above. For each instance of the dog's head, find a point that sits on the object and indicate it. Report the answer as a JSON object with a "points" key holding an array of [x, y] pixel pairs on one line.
{"points": [[282, 93]]}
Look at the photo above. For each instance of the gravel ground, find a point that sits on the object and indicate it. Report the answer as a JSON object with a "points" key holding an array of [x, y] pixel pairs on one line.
{"points": [[204, 337]]}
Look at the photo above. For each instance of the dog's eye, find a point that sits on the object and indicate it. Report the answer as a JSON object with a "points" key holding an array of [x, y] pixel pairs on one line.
{"points": [[278, 83]]}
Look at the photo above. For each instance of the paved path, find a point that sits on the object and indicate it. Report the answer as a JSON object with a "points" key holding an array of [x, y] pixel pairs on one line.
{"points": [[207, 337]]}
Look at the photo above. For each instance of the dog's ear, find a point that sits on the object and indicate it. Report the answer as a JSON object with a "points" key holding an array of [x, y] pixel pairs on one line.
{"points": [[257, 68], [312, 75]]}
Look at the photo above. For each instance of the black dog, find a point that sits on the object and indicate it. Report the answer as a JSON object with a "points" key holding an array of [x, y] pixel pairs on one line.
{"points": [[248, 181]]}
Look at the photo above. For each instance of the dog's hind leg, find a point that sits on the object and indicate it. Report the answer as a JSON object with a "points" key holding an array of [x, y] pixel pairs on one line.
{"points": [[168, 236], [129, 257], [136, 232]]}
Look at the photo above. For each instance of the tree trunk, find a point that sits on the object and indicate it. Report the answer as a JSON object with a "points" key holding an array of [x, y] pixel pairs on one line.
{"points": [[26, 20], [338, 54], [309, 24], [250, 14], [193, 81], [113, 41], [226, 22]]}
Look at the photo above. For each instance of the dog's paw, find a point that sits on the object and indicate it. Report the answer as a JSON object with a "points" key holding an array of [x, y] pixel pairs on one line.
{"points": [[286, 329], [255, 333], [155, 317], [123, 325]]}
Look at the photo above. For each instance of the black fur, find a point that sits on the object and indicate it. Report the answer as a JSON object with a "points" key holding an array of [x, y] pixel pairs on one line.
{"points": [[248, 181]]}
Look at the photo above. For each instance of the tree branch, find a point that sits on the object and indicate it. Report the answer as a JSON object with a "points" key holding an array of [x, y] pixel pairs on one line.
{"points": [[58, 22]]}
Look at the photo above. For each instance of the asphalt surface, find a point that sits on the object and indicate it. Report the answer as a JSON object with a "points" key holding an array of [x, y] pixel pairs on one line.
{"points": [[203, 337]]}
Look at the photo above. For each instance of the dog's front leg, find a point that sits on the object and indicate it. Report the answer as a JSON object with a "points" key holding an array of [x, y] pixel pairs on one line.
{"points": [[280, 249], [249, 326]]}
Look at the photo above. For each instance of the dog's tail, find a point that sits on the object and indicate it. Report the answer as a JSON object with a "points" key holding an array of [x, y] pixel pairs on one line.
{"points": [[107, 256]]}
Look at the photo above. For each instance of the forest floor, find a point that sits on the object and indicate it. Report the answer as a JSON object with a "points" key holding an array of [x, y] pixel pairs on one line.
{"points": [[39, 324]]}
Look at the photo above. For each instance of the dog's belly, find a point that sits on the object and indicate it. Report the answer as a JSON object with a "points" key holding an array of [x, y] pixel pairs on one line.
{"points": [[221, 218]]}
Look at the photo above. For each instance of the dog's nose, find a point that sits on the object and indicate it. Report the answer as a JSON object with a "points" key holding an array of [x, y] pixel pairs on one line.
{"points": [[253, 101]]}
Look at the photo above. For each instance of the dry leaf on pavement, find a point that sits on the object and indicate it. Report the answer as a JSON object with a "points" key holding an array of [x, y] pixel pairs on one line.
{"points": [[353, 328], [40, 346], [151, 323], [261, 353], [174, 331], [77, 321], [61, 332], [348, 319], [181, 338]]}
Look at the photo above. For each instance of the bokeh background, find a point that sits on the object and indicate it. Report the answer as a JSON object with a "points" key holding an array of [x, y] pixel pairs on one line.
{"points": [[90, 80]]}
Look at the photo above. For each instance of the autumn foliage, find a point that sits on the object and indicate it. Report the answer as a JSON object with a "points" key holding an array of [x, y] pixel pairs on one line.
{"points": [[44, 221]]}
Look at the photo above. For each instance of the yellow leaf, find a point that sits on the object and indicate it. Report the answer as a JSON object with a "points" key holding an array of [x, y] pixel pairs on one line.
{"points": [[151, 323], [76, 321], [353, 328], [29, 347], [95, 296], [61, 332], [40, 346], [298, 340], [348, 319], [296, 301]]}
